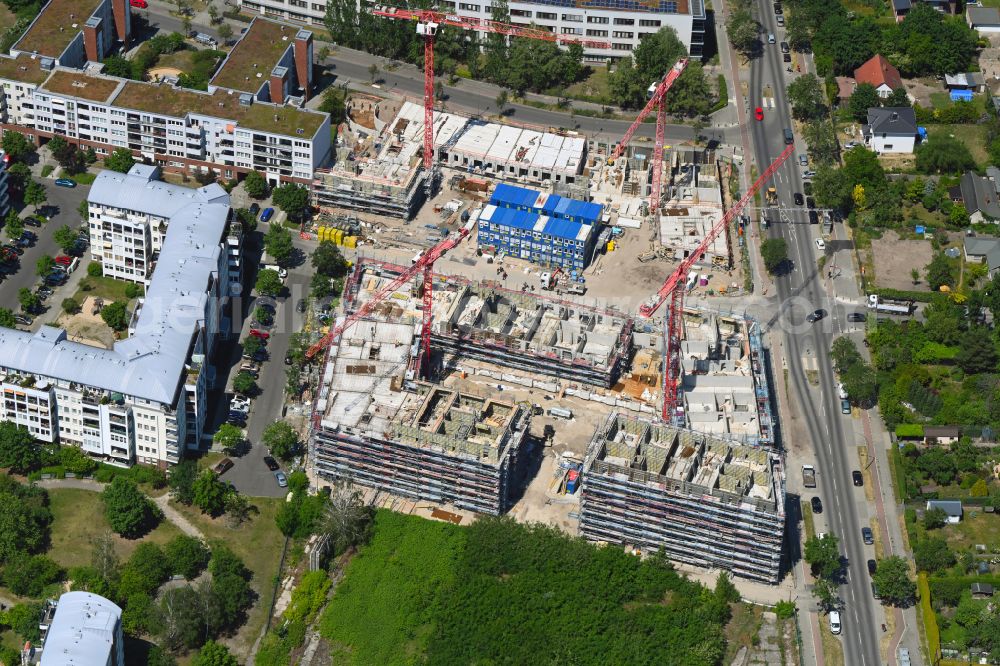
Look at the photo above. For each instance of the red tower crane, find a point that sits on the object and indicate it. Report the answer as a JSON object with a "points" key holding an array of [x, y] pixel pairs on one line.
{"points": [[674, 288], [657, 99], [428, 22], [423, 265]]}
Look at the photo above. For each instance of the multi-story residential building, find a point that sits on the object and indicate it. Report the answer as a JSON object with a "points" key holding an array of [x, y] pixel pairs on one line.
{"points": [[620, 23], [144, 400], [73, 32], [250, 118], [4, 189], [82, 629]]}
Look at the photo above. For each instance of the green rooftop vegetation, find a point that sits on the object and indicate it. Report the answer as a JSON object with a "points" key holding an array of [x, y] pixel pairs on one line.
{"points": [[59, 22], [24, 68], [257, 52], [84, 86]]}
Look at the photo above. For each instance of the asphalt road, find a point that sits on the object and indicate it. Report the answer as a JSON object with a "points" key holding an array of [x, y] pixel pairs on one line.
{"points": [[799, 292], [65, 201]]}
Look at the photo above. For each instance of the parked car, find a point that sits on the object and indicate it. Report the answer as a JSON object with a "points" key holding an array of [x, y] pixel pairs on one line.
{"points": [[271, 463], [263, 335], [139, 4], [820, 244], [817, 505], [260, 356], [13, 248], [808, 173], [786, 57], [254, 209], [867, 536], [872, 567], [282, 479], [32, 222], [23, 320], [845, 406], [222, 466], [267, 214], [857, 478], [65, 182], [237, 421], [239, 402], [64, 260]]}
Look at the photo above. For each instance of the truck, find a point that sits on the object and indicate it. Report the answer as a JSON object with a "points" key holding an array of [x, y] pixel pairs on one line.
{"points": [[771, 196], [559, 412], [808, 476], [889, 305]]}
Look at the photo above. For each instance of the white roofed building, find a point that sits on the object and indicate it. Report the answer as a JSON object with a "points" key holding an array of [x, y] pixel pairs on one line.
{"points": [[81, 629]]}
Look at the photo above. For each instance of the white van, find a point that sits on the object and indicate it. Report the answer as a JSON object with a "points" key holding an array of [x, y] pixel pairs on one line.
{"points": [[282, 273], [834, 622]]}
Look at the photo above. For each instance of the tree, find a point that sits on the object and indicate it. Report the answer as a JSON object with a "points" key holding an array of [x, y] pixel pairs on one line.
{"points": [[263, 315], [501, 101], [933, 555], [228, 437], [280, 439], [320, 286], [939, 272], [104, 556], [7, 318], [187, 556], [269, 282], [807, 98], [823, 555], [181, 481], [23, 619], [372, 72], [244, 384], [796, 33], [935, 518], [293, 199], [148, 566], [224, 562], [30, 302], [65, 238], [864, 97], [893, 582], [180, 619], [825, 592], [121, 160], [13, 226], [115, 316], [16, 145], [19, 174], [977, 351], [27, 575], [209, 493], [237, 508], [231, 596], [251, 345], [34, 195], [293, 380], [214, 654], [943, 153], [915, 276], [690, 94], [861, 384], [334, 98], [774, 252], [18, 451], [255, 185], [328, 260], [743, 32], [44, 265], [348, 519], [278, 243], [94, 269], [25, 517], [119, 66], [822, 139], [129, 512], [225, 30], [897, 97], [213, 13]]}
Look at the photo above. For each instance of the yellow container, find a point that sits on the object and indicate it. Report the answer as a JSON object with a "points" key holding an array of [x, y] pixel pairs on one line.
{"points": [[611, 246], [337, 236], [323, 233], [350, 241]]}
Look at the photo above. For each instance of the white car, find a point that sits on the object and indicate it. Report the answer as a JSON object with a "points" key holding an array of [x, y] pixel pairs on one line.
{"points": [[851, 144], [820, 244], [239, 403]]}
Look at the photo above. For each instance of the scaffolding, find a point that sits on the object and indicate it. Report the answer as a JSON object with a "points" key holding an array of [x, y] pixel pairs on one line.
{"points": [[704, 500]]}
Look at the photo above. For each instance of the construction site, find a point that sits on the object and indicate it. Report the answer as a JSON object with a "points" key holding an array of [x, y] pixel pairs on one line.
{"points": [[706, 501]]}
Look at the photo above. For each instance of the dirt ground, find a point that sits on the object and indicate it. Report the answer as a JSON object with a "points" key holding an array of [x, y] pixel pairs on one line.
{"points": [[920, 89], [87, 328], [895, 258]]}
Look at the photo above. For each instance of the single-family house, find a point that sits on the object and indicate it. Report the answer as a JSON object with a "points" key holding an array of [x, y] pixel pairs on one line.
{"points": [[972, 81], [900, 8], [880, 73], [981, 590], [981, 195], [952, 509], [984, 250], [891, 129], [941, 434], [984, 20]]}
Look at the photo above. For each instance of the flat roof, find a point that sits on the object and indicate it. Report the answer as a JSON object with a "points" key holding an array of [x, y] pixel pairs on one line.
{"points": [[178, 102], [75, 83], [151, 362], [262, 45], [83, 631], [24, 68], [59, 22]]}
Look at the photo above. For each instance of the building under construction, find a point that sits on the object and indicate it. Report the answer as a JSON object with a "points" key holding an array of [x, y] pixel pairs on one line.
{"points": [[706, 501], [379, 428], [505, 327]]}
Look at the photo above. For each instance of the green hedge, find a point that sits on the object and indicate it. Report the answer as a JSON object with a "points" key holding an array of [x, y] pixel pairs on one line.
{"points": [[920, 296], [909, 430], [929, 618], [723, 95]]}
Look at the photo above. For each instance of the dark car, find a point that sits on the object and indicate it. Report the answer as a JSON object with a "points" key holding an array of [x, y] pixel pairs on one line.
{"points": [[288, 359], [857, 316], [813, 217], [222, 466], [778, 9], [857, 478], [815, 316], [32, 222], [301, 305], [239, 422], [797, 197], [260, 355], [817, 505], [867, 536], [237, 414], [810, 203], [787, 57], [254, 209], [872, 567], [271, 463], [23, 320], [267, 214]]}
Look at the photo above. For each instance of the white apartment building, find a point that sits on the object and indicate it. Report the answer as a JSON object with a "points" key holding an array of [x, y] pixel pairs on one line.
{"points": [[144, 400], [4, 189], [621, 23], [249, 119], [82, 629]]}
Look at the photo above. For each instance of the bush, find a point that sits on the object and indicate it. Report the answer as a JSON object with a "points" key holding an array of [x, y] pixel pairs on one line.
{"points": [[47, 170], [74, 460], [94, 269], [930, 619], [70, 306], [132, 290], [187, 556]]}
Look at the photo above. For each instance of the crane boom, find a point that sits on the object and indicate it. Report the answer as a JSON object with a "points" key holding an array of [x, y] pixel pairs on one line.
{"points": [[425, 262], [661, 90], [674, 288]]}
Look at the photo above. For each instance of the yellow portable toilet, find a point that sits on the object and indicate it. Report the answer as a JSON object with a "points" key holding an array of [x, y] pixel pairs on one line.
{"points": [[338, 236], [350, 241], [611, 246]]}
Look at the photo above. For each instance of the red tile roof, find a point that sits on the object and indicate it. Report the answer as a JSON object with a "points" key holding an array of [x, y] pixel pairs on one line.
{"points": [[878, 72]]}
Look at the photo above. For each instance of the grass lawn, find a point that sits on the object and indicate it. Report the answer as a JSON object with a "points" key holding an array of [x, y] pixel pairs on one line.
{"points": [[745, 623], [84, 178], [808, 521], [104, 287], [259, 544], [833, 650], [973, 136], [178, 59], [78, 515], [594, 88], [976, 527]]}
